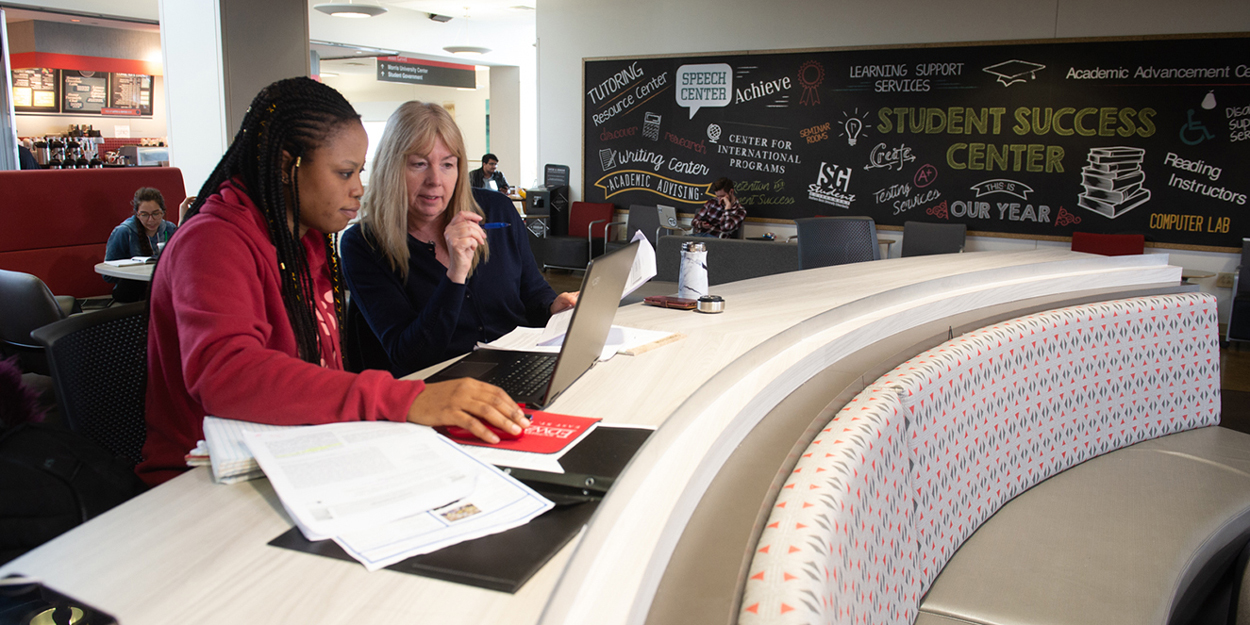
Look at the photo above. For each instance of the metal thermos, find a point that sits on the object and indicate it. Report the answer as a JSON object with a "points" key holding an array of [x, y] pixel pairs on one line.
{"points": [[692, 279]]}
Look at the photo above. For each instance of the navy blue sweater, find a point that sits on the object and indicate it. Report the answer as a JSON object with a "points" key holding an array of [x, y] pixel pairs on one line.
{"points": [[428, 318]]}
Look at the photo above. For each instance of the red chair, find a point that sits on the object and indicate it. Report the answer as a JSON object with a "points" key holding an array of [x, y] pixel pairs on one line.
{"points": [[588, 224], [1108, 244]]}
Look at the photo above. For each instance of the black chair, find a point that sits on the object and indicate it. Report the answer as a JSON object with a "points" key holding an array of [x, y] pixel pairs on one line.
{"points": [[99, 370], [27, 304], [922, 239], [825, 241], [1239, 314], [587, 230], [363, 349]]}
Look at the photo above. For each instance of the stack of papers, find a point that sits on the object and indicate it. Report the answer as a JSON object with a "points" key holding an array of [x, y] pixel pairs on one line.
{"points": [[644, 264], [229, 456], [383, 491], [620, 339], [549, 339]]}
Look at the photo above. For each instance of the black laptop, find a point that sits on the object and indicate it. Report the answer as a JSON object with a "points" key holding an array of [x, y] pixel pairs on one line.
{"points": [[537, 378]]}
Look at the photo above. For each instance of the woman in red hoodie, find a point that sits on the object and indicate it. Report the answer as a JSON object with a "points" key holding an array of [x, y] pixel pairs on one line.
{"points": [[247, 299]]}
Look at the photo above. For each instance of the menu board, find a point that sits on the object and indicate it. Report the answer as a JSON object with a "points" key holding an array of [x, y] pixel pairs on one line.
{"points": [[83, 92], [1031, 140], [46, 91], [129, 94], [36, 90]]}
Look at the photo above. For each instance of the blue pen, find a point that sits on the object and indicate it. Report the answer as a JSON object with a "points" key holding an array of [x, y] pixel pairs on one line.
{"points": [[495, 225]]}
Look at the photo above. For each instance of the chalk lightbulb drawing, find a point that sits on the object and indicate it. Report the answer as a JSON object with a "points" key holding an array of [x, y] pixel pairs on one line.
{"points": [[853, 127]]}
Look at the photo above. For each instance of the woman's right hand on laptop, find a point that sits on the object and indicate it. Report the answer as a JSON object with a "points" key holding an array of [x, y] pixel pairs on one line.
{"points": [[466, 403]]}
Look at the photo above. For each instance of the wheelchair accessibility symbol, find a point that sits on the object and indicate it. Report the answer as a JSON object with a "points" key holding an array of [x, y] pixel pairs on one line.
{"points": [[1193, 132]]}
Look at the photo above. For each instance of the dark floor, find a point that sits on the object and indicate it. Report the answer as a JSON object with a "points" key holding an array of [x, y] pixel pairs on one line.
{"points": [[1234, 363], [563, 280]]}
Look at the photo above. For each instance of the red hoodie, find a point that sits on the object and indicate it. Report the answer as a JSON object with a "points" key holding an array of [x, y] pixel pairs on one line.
{"points": [[220, 342]]}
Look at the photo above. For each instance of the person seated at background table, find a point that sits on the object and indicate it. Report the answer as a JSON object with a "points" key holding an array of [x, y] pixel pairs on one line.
{"points": [[720, 217], [488, 175], [247, 300], [26, 159], [429, 280], [141, 234]]}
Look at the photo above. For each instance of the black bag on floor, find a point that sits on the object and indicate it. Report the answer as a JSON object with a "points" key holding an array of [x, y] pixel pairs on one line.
{"points": [[52, 480]]}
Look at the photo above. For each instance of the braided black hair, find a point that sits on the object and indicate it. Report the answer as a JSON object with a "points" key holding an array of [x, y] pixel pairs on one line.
{"points": [[295, 115]]}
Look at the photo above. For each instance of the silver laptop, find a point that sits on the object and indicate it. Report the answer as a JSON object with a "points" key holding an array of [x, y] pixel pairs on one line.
{"points": [[538, 378]]}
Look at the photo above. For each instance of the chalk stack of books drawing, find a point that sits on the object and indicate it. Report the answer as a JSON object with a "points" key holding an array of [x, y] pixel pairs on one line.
{"points": [[1113, 181]]}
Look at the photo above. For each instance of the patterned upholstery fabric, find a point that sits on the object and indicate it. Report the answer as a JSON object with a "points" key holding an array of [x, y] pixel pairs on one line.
{"points": [[880, 503], [840, 545]]}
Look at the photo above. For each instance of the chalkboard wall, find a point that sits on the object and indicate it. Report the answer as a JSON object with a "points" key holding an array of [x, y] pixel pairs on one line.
{"points": [[1042, 139]]}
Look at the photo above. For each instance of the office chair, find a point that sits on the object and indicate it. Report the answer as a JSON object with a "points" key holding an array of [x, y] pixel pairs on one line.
{"points": [[1108, 244], [99, 369], [825, 241], [587, 230], [27, 304], [923, 239], [1239, 313], [641, 217]]}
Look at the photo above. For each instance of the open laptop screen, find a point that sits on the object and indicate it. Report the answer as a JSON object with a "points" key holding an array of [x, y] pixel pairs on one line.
{"points": [[597, 302]]}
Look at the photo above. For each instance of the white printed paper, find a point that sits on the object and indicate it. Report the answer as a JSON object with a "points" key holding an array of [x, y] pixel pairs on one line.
{"points": [[644, 265], [344, 477], [620, 339]]}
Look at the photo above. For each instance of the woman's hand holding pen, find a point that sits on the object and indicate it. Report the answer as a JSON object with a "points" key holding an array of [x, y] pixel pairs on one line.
{"points": [[463, 236]]}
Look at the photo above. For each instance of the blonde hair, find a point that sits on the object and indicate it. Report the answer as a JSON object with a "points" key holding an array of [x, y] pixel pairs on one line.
{"points": [[412, 129]]}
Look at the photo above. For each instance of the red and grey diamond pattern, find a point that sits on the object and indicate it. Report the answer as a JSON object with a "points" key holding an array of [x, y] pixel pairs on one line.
{"points": [[839, 545], [968, 425]]}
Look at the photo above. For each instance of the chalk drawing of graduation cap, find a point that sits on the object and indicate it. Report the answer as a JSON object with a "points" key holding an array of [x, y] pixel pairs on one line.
{"points": [[1014, 71]]}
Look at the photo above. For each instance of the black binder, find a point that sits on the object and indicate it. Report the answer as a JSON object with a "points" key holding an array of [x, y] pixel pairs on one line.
{"points": [[507, 560]]}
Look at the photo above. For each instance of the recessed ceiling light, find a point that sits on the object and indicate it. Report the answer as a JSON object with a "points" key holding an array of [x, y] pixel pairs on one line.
{"points": [[350, 9], [467, 50]]}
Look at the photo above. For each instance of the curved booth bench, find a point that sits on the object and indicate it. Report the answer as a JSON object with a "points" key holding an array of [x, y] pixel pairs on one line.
{"points": [[912, 466], [734, 404]]}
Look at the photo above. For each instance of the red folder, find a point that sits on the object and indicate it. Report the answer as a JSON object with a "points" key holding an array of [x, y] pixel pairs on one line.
{"points": [[548, 433]]}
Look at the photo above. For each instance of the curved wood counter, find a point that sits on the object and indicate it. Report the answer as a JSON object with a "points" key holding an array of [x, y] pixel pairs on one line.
{"points": [[194, 552]]}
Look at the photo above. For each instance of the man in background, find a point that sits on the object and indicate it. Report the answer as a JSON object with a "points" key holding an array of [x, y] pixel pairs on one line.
{"points": [[721, 216], [488, 175]]}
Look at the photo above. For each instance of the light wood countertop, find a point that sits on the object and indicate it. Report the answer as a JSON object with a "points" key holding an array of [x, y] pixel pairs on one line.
{"points": [[194, 552]]}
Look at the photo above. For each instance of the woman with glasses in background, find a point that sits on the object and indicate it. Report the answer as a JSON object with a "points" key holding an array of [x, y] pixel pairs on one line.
{"points": [[142, 234]]}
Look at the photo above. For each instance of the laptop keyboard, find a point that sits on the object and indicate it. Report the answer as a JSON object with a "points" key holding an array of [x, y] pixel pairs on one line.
{"points": [[527, 376]]}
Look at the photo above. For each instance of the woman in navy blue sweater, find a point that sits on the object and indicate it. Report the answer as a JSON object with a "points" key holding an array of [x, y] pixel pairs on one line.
{"points": [[430, 281]]}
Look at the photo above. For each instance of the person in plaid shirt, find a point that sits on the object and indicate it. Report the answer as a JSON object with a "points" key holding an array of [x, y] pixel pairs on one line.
{"points": [[720, 217]]}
